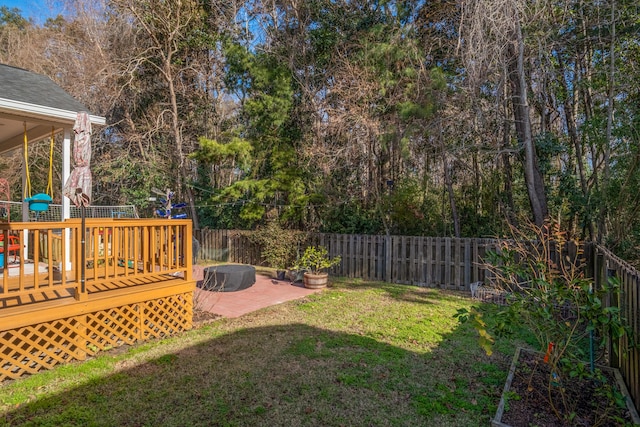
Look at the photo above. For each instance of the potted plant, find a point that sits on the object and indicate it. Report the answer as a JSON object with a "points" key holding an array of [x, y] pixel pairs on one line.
{"points": [[278, 246], [314, 262]]}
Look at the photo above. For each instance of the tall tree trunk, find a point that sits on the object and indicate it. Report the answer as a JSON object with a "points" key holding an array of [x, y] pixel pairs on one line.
{"points": [[533, 177], [448, 181], [508, 175], [477, 184], [602, 223], [503, 161], [570, 108], [177, 135], [452, 200]]}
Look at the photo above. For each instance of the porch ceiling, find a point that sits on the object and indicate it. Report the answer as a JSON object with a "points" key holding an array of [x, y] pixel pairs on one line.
{"points": [[34, 99]]}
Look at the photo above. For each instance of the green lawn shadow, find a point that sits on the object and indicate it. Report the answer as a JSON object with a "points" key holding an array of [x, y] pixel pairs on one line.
{"points": [[293, 375]]}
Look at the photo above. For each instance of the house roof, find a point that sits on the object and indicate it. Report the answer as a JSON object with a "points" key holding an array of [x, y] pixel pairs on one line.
{"points": [[31, 88], [35, 100]]}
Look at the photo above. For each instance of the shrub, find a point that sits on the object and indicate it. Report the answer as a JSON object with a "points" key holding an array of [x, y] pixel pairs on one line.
{"points": [[278, 246], [316, 259], [549, 294]]}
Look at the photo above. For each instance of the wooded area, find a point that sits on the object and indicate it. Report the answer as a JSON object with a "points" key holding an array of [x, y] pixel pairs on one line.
{"points": [[444, 118]]}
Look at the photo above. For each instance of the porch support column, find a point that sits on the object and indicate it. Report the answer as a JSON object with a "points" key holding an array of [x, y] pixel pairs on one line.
{"points": [[66, 202], [24, 237], [25, 191], [66, 171]]}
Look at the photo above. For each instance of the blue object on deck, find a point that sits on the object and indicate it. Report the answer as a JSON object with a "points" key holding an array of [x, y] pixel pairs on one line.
{"points": [[39, 202]]}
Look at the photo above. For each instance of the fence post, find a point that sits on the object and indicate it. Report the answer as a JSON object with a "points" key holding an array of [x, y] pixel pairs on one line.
{"points": [[614, 359], [387, 258]]}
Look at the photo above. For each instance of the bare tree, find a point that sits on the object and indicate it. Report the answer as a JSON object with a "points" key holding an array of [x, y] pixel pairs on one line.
{"points": [[70, 50], [492, 42]]}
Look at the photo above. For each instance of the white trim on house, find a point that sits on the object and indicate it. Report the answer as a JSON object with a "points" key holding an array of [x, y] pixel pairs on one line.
{"points": [[45, 113]]}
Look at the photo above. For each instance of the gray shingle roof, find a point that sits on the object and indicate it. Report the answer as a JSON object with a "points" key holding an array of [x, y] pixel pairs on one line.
{"points": [[21, 85]]}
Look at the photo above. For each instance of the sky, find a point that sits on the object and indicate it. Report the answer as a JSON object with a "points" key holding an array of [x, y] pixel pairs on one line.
{"points": [[38, 10]]}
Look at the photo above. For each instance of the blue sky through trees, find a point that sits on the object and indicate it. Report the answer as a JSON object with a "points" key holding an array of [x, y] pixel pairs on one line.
{"points": [[39, 11]]}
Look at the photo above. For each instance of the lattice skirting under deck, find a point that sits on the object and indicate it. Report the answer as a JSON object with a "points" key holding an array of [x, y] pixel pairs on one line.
{"points": [[34, 348]]}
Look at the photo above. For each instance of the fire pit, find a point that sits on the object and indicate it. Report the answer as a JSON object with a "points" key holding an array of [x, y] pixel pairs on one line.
{"points": [[228, 278]]}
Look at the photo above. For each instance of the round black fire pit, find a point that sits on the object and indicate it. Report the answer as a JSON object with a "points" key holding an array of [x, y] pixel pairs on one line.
{"points": [[228, 278]]}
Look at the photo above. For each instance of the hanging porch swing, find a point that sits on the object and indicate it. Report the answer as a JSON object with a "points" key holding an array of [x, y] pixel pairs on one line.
{"points": [[38, 202]]}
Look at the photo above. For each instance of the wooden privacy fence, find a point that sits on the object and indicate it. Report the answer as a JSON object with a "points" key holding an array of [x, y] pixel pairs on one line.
{"points": [[604, 265], [443, 262]]}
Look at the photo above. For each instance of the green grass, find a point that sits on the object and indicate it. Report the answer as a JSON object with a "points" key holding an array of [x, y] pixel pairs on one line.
{"points": [[356, 354]]}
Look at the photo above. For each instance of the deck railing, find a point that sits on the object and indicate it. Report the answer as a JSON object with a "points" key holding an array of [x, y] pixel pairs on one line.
{"points": [[70, 289], [54, 261], [12, 211]]}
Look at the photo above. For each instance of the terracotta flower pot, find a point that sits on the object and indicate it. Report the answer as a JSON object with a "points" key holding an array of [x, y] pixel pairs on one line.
{"points": [[315, 281]]}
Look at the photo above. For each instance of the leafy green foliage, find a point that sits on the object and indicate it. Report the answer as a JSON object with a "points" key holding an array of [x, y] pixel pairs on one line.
{"points": [[548, 294], [269, 134], [235, 153], [12, 16], [350, 218], [474, 316], [279, 247], [315, 260]]}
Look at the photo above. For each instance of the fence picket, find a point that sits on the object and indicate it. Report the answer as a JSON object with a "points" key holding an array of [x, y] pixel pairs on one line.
{"points": [[418, 272], [467, 262], [605, 264], [457, 272]]}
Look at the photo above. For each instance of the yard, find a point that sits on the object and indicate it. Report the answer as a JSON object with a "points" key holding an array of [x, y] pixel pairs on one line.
{"points": [[359, 353]]}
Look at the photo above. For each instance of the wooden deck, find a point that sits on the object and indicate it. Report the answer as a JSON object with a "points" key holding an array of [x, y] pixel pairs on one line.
{"points": [[71, 293]]}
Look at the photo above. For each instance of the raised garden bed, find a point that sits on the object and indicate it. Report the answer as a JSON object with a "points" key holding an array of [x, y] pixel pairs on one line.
{"points": [[527, 396]]}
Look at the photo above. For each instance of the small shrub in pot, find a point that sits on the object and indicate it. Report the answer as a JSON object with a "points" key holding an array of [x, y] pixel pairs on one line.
{"points": [[315, 261]]}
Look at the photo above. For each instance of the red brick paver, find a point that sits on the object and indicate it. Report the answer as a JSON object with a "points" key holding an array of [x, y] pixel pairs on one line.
{"points": [[264, 293]]}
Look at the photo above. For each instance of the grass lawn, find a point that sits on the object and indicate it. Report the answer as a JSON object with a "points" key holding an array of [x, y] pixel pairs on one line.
{"points": [[357, 354]]}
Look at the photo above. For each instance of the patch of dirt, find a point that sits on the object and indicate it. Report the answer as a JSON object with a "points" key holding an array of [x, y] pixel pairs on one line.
{"points": [[115, 351], [578, 401], [201, 318]]}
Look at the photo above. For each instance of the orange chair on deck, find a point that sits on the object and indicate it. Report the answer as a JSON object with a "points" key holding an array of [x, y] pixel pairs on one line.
{"points": [[14, 246]]}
